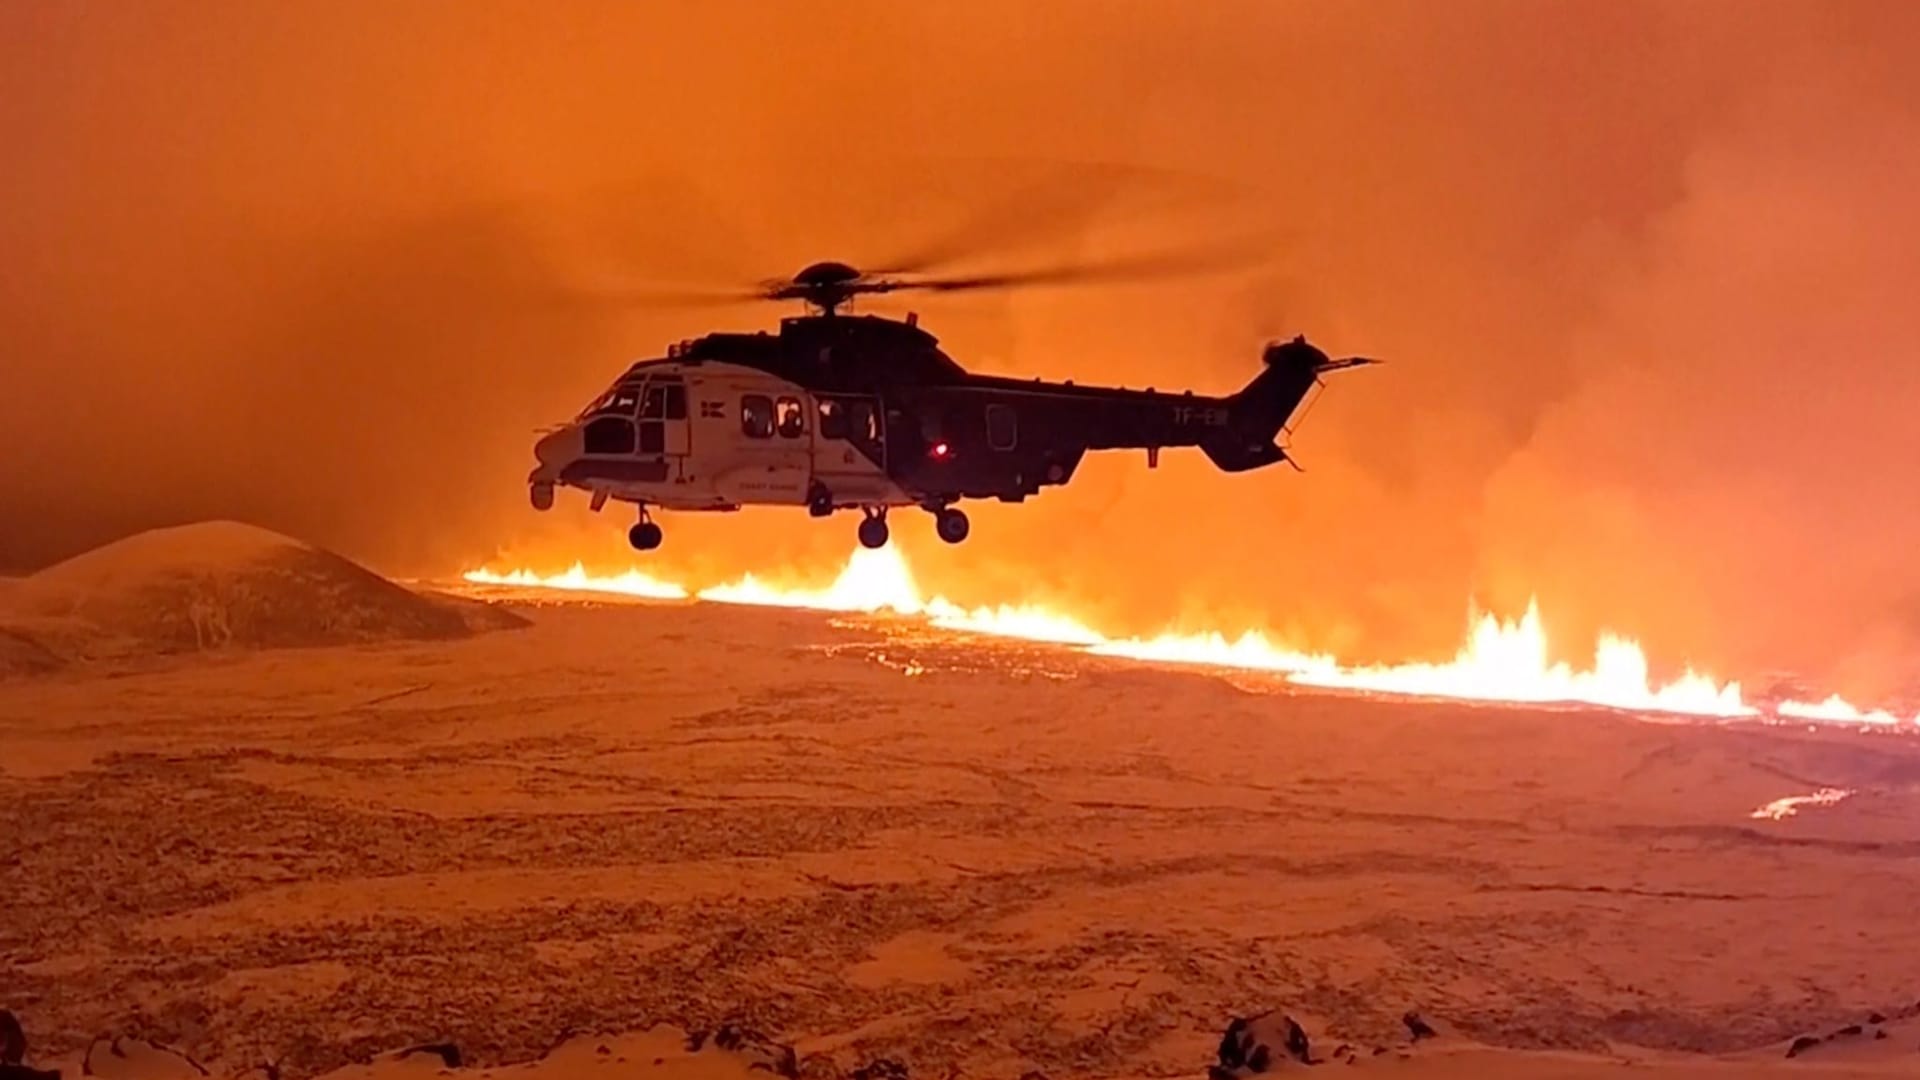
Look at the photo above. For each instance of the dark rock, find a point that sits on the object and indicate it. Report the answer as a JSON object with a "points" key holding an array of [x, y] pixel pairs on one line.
{"points": [[695, 1041], [448, 1053], [1876, 1018], [880, 1069], [1233, 1052], [760, 1051], [1297, 1042], [1418, 1027], [1803, 1044], [1850, 1029], [820, 1067], [13, 1052], [1251, 1044], [1879, 1033]]}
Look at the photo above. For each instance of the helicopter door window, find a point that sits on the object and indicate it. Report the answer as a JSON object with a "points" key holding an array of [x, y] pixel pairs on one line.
{"points": [[756, 416], [1003, 430], [676, 401], [790, 418], [833, 420], [864, 422]]}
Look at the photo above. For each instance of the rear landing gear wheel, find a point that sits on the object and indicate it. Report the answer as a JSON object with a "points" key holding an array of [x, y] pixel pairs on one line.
{"points": [[951, 524], [645, 536], [873, 531]]}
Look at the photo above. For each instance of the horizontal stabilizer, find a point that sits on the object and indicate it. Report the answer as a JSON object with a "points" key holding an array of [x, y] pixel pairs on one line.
{"points": [[1258, 412]]}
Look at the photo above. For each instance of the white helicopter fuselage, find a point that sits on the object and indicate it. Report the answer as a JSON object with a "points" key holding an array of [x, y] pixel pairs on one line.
{"points": [[714, 436]]}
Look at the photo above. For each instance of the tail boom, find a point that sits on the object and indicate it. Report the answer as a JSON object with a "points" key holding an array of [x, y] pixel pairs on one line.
{"points": [[1260, 410]]}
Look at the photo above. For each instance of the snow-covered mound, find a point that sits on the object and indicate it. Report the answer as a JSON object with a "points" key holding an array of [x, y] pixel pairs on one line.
{"points": [[218, 585], [22, 654]]}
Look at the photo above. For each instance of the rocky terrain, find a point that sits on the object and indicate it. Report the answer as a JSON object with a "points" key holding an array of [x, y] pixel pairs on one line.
{"points": [[889, 849]]}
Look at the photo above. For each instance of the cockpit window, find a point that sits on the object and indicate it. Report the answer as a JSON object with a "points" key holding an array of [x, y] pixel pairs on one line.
{"points": [[619, 401], [609, 435]]}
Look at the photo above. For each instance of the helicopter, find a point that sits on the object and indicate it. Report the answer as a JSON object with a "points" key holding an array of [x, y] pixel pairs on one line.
{"points": [[841, 411]]}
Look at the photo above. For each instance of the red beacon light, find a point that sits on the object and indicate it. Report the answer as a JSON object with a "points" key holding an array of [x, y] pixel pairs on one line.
{"points": [[940, 451]]}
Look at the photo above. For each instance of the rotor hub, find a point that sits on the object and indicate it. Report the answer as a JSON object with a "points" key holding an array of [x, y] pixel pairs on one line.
{"points": [[825, 285]]}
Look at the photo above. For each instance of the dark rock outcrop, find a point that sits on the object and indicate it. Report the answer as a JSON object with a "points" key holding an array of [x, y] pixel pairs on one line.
{"points": [[13, 1052], [879, 1069], [759, 1051], [1418, 1027], [13, 1039], [1802, 1044], [448, 1053], [1253, 1044]]}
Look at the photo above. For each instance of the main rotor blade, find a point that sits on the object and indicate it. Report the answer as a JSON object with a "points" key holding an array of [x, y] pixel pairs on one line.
{"points": [[650, 296], [1062, 204], [1139, 268], [1035, 213]]}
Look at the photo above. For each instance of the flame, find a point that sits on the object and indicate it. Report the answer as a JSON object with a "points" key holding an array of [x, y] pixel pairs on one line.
{"points": [[576, 579], [1836, 709], [1500, 661]]}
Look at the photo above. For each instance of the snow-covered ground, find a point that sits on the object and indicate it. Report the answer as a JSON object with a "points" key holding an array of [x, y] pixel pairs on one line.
{"points": [[867, 839]]}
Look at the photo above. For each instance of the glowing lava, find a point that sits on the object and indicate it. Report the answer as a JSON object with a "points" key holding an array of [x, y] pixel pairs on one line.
{"points": [[576, 579], [1501, 661], [876, 580], [1781, 809], [1508, 661], [1836, 709]]}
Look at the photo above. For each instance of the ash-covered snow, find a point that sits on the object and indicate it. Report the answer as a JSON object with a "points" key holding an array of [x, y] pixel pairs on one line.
{"points": [[213, 586]]}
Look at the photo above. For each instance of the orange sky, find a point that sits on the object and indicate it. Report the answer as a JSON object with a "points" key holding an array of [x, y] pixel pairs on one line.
{"points": [[1642, 270]]}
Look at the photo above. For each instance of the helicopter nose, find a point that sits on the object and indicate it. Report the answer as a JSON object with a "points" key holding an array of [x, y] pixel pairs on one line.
{"points": [[556, 448]]}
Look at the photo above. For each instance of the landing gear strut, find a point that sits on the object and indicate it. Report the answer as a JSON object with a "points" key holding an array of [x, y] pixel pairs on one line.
{"points": [[873, 530], [644, 536], [951, 524]]}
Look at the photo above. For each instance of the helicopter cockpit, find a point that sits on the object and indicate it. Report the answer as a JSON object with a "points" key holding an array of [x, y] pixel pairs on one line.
{"points": [[608, 424]]}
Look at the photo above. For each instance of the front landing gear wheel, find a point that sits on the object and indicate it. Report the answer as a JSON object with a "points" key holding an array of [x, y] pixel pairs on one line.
{"points": [[951, 524], [541, 495], [873, 531], [645, 536]]}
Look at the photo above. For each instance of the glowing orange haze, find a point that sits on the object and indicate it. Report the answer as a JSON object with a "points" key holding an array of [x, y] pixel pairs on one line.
{"points": [[1643, 271], [1500, 662]]}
